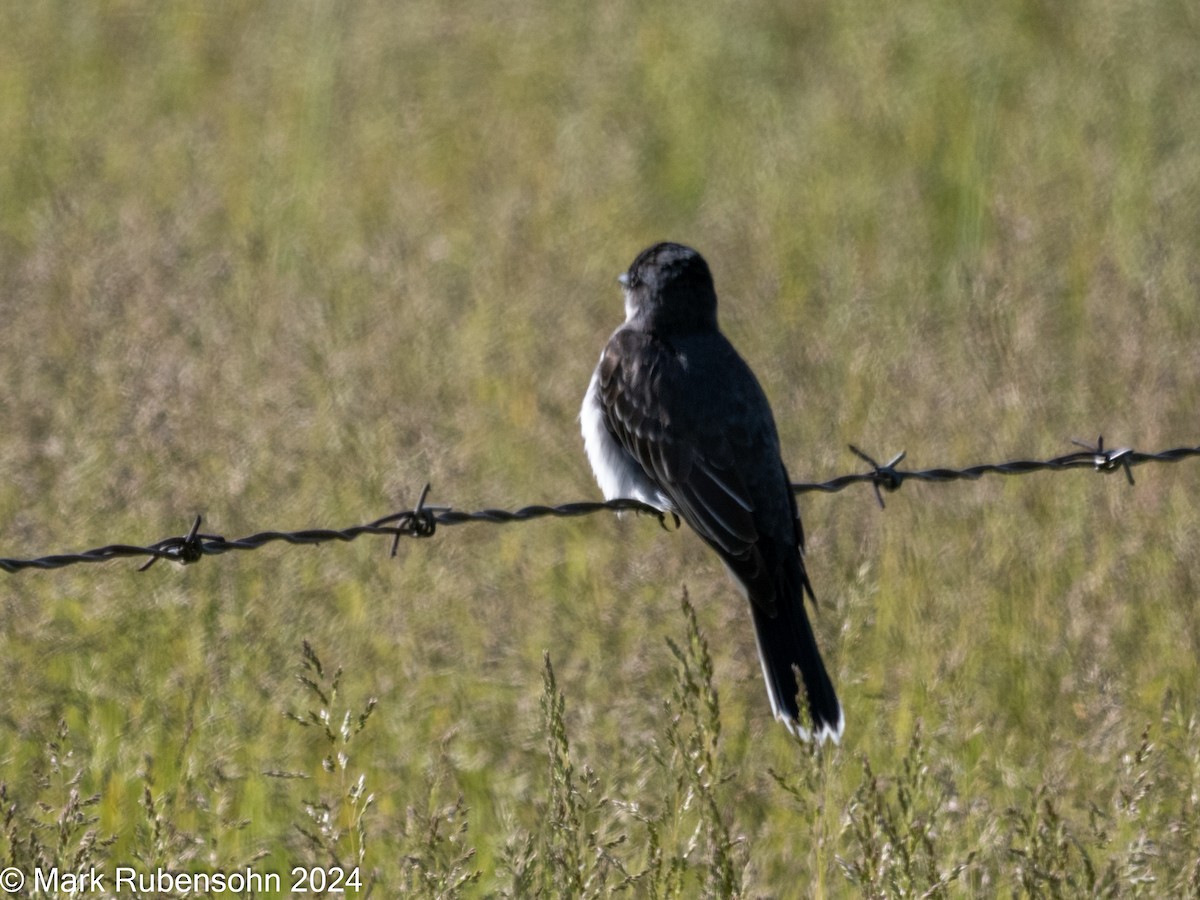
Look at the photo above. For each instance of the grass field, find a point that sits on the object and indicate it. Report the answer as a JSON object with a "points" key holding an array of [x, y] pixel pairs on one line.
{"points": [[280, 264]]}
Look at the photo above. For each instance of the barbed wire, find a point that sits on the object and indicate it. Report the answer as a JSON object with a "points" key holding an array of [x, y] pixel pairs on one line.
{"points": [[423, 520]]}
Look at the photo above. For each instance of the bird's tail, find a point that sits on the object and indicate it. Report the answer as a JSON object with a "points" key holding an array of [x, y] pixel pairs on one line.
{"points": [[786, 645]]}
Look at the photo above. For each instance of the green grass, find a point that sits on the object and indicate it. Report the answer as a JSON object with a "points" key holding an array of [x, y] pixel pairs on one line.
{"points": [[280, 264]]}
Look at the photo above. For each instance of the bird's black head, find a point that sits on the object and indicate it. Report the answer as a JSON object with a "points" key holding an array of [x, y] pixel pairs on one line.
{"points": [[668, 289]]}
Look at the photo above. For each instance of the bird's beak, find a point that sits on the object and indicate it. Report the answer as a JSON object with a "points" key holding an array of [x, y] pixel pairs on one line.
{"points": [[623, 279]]}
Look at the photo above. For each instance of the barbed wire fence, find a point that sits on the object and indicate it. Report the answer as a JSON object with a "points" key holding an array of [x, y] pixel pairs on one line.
{"points": [[422, 521]]}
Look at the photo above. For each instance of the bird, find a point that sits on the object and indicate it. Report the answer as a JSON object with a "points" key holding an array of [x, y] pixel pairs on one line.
{"points": [[674, 417]]}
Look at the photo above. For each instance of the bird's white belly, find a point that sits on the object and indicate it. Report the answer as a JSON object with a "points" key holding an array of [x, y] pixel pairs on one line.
{"points": [[618, 475]]}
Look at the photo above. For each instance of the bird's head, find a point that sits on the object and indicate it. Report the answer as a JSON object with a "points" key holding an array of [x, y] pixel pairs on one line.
{"points": [[669, 290]]}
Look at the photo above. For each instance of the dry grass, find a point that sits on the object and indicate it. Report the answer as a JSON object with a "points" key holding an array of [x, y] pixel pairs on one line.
{"points": [[282, 264]]}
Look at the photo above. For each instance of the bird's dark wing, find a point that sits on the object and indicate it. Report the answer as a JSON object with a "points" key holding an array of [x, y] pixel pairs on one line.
{"points": [[656, 409], [692, 415]]}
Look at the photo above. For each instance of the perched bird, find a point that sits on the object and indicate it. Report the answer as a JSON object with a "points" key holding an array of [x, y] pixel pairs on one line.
{"points": [[674, 417]]}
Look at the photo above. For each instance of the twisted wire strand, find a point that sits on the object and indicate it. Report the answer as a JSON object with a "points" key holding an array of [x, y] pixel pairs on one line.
{"points": [[423, 520]]}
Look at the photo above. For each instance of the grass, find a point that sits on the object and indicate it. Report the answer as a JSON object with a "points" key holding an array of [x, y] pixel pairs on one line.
{"points": [[282, 264]]}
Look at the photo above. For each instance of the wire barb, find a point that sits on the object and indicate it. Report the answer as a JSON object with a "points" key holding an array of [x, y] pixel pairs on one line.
{"points": [[883, 476], [182, 550], [1109, 460], [422, 520]]}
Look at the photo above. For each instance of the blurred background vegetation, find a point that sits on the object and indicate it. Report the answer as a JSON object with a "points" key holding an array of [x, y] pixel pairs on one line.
{"points": [[282, 263]]}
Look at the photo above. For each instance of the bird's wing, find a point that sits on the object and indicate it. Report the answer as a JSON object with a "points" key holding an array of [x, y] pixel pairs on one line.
{"points": [[656, 412]]}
